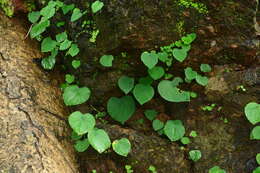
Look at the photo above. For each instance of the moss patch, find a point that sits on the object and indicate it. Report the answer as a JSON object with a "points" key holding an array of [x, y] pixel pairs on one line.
{"points": [[201, 8], [6, 6]]}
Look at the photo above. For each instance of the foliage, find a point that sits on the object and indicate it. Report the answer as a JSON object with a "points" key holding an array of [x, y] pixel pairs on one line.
{"points": [[157, 124], [174, 130], [195, 155], [216, 169], [106, 60], [150, 114], [99, 140], [143, 93], [97, 6], [122, 146], [258, 158], [73, 95], [126, 84], [252, 111], [152, 169], [185, 140], [255, 133]]}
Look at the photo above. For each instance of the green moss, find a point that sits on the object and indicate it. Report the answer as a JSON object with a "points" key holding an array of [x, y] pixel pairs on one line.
{"points": [[201, 8], [180, 28], [30, 5], [6, 6]]}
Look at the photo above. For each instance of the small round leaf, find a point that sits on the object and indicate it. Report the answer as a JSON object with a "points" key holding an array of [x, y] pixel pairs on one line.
{"points": [[106, 60], [122, 146], [252, 111], [99, 140], [82, 145]]}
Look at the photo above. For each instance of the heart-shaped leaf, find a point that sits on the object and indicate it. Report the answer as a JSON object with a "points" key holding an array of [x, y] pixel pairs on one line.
{"points": [[48, 45], [149, 59], [122, 146], [96, 6], [216, 169], [195, 155], [252, 111], [126, 84], [189, 38], [156, 72], [99, 140], [81, 145], [69, 78], [205, 68], [39, 28], [258, 158], [171, 93], [34, 16], [255, 133], [65, 44], [73, 95], [76, 14], [143, 93], [121, 109], [157, 124], [73, 50], [76, 64], [190, 74], [61, 37], [106, 60], [174, 130], [146, 80], [150, 114], [202, 80], [179, 54], [81, 123]]}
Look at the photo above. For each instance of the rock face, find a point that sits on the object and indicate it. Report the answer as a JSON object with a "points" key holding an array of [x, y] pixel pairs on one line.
{"points": [[33, 127]]}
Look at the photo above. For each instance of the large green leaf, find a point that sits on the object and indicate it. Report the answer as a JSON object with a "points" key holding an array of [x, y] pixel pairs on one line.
{"points": [[65, 44], [81, 123], [106, 60], [121, 109], [67, 8], [174, 130], [258, 158], [73, 95], [61, 37], [49, 62], [99, 140], [34, 16], [143, 93], [48, 44], [169, 92], [48, 11], [216, 169], [255, 133], [122, 146], [81, 145], [257, 170], [149, 59], [179, 54], [252, 111], [97, 6], [74, 50], [76, 14], [156, 72], [39, 28], [126, 84]]}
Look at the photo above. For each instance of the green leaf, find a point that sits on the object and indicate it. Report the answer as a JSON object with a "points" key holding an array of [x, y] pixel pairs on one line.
{"points": [[143, 93], [163, 56], [149, 59], [157, 124], [60, 24], [81, 145], [170, 93], [193, 134], [39, 28], [150, 114], [74, 50], [69, 78], [255, 133], [190, 74], [49, 62], [216, 169], [75, 64], [126, 84], [99, 140], [34, 16], [195, 155], [189, 38], [156, 72], [179, 54], [74, 136], [185, 140], [65, 44], [146, 80], [61, 37], [205, 68], [97, 6], [48, 44], [48, 11], [252, 111], [121, 109], [258, 158], [202, 80], [67, 8], [174, 130], [122, 146], [106, 60], [73, 95], [81, 123], [176, 81], [76, 14], [257, 170]]}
